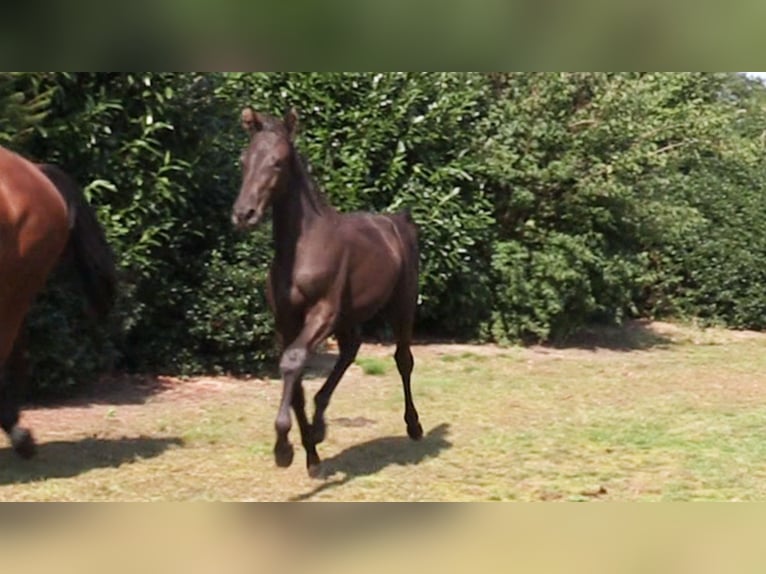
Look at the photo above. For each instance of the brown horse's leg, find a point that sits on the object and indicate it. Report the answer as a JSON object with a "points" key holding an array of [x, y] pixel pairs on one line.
{"points": [[17, 367], [317, 326], [12, 386], [348, 343], [12, 393], [10, 399]]}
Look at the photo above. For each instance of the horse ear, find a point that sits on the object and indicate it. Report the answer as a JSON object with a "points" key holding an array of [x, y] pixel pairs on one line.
{"points": [[250, 121], [291, 122]]}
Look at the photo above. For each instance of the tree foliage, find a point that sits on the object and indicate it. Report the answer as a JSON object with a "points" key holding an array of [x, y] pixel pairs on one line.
{"points": [[545, 201]]}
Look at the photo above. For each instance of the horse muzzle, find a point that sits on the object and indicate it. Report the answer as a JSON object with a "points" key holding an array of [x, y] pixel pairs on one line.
{"points": [[244, 220]]}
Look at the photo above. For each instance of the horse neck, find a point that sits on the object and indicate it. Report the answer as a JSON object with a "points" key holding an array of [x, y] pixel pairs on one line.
{"points": [[300, 206]]}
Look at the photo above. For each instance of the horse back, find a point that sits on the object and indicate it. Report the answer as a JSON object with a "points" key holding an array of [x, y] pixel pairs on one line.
{"points": [[31, 209], [397, 231]]}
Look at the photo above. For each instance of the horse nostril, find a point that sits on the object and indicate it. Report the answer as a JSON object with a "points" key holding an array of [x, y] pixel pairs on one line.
{"points": [[244, 218]]}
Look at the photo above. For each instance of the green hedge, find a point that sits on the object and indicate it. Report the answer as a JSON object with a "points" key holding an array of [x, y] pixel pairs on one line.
{"points": [[545, 201]]}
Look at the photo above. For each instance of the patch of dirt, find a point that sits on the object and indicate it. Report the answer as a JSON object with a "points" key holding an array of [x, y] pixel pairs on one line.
{"points": [[201, 388], [355, 422], [110, 406], [427, 349], [700, 336], [115, 402]]}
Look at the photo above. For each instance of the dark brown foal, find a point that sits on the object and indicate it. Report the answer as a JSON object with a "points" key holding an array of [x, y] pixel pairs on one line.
{"points": [[330, 273]]}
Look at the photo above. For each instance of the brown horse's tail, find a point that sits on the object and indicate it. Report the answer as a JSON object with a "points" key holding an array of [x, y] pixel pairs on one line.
{"points": [[90, 252]]}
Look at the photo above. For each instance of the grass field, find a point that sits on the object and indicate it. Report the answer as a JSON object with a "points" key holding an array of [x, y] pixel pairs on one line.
{"points": [[650, 412]]}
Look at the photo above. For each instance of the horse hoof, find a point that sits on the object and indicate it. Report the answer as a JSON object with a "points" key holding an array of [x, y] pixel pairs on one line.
{"points": [[315, 470], [283, 454], [23, 443], [415, 431]]}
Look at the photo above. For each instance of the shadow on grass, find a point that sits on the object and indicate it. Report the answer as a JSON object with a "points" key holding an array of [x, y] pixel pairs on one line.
{"points": [[635, 335], [371, 457], [66, 459], [110, 390], [632, 335]]}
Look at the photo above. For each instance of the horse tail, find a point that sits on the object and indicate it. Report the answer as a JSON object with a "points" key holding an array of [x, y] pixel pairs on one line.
{"points": [[408, 230], [88, 247], [407, 214], [410, 221]]}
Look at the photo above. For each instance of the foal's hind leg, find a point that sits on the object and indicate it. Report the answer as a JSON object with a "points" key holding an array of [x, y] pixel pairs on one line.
{"points": [[401, 322], [299, 406], [405, 364]]}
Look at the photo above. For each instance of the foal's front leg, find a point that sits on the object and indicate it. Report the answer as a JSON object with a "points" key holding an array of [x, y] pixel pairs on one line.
{"points": [[318, 325]]}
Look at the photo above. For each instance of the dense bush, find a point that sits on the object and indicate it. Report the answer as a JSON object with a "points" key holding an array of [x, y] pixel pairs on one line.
{"points": [[545, 201], [141, 144], [596, 183], [716, 269]]}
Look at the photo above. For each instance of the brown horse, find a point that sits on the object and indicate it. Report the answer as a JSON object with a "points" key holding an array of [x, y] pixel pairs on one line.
{"points": [[330, 273], [43, 216]]}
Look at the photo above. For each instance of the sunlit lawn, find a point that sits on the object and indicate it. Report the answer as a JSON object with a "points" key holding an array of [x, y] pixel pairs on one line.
{"points": [[653, 412]]}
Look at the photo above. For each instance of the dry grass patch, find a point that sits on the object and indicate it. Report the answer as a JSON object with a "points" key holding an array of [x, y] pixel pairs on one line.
{"points": [[651, 412]]}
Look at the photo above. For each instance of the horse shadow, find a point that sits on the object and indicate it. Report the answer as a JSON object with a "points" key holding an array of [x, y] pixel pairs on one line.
{"points": [[373, 456], [634, 335], [66, 459]]}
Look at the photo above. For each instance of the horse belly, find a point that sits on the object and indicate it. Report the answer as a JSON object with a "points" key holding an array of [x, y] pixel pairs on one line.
{"points": [[371, 289]]}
